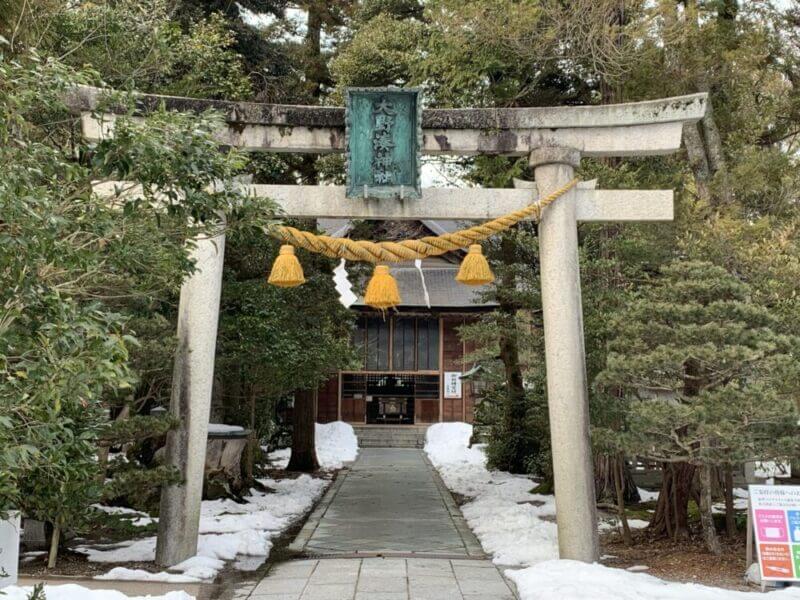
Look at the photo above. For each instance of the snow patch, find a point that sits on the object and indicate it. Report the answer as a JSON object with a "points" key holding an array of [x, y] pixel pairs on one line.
{"points": [[336, 444], [228, 530], [572, 580], [77, 592], [138, 518], [638, 568], [222, 428], [505, 516], [517, 527], [647, 495], [616, 525], [125, 574]]}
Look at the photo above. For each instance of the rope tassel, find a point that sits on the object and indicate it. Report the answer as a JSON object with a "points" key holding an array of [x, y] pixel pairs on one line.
{"points": [[475, 268], [286, 270], [382, 292]]}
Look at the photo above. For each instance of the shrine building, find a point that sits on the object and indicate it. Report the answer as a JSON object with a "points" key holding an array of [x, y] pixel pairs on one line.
{"points": [[414, 368]]}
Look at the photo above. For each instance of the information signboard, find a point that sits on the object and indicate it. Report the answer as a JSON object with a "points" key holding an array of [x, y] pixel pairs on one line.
{"points": [[775, 512], [383, 131], [452, 384]]}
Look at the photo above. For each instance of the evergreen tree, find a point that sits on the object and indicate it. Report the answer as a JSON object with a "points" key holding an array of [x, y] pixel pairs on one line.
{"points": [[706, 374], [275, 341], [72, 264]]}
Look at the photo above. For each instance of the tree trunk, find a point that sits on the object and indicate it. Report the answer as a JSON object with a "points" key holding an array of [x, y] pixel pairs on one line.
{"points": [[698, 159], [315, 67], [103, 450], [671, 518], [54, 541], [304, 451], [605, 480], [730, 522], [249, 459], [619, 478], [515, 411], [706, 515]]}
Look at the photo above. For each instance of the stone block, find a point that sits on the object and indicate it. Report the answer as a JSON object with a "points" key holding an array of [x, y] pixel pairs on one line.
{"points": [[329, 592]]}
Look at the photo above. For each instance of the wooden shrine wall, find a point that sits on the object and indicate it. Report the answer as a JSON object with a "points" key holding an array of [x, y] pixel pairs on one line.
{"points": [[328, 401], [454, 352], [426, 410]]}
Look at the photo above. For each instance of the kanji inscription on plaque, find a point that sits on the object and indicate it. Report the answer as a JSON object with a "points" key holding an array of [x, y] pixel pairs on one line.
{"points": [[383, 132]]}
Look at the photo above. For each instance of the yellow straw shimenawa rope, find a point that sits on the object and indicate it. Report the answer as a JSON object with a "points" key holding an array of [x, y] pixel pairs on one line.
{"points": [[382, 291], [392, 252]]}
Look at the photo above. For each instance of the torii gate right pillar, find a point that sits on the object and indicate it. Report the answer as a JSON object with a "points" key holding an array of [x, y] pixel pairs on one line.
{"points": [[567, 393]]}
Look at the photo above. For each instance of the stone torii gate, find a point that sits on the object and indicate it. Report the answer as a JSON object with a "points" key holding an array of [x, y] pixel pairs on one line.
{"points": [[553, 139]]}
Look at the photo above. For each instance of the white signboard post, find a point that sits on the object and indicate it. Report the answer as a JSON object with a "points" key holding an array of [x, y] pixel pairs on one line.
{"points": [[9, 549], [452, 384], [769, 469], [775, 511]]}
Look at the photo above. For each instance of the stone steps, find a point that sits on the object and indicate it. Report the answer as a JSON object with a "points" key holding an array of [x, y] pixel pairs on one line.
{"points": [[390, 436]]}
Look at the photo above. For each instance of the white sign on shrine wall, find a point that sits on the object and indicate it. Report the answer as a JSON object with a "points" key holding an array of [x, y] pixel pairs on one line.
{"points": [[452, 384]]}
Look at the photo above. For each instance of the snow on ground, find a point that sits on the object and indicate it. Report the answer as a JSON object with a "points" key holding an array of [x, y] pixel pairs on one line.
{"points": [[227, 529], [740, 496], [77, 592], [517, 527], [336, 444], [572, 580], [614, 524], [230, 529], [647, 495], [137, 518], [510, 522], [222, 428], [739, 500]]}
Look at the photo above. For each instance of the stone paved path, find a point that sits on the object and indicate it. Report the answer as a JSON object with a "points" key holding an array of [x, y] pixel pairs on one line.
{"points": [[383, 579], [390, 501], [387, 529]]}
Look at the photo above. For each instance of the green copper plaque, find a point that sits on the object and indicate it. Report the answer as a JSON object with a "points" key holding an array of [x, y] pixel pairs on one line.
{"points": [[384, 136]]}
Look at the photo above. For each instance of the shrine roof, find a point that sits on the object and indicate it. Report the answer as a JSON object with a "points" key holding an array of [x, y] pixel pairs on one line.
{"points": [[443, 289]]}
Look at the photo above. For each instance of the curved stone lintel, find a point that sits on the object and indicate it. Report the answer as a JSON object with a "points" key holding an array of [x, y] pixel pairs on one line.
{"points": [[628, 140], [667, 110]]}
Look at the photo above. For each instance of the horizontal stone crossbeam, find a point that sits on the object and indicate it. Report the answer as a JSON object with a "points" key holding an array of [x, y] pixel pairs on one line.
{"points": [[640, 128], [467, 204]]}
